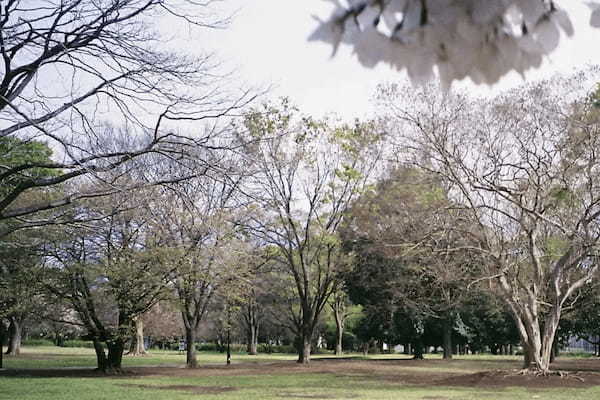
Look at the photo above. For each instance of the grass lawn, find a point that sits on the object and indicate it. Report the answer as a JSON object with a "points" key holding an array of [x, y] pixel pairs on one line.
{"points": [[160, 376]]}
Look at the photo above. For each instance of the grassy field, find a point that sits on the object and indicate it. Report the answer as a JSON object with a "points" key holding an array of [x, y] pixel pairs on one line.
{"points": [[161, 376]]}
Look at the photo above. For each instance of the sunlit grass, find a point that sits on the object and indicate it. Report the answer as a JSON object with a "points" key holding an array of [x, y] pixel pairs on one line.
{"points": [[270, 377], [256, 387]]}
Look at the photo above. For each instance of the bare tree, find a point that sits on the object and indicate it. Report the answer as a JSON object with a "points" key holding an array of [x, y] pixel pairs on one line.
{"points": [[524, 165], [72, 70], [307, 174], [339, 305], [206, 250]]}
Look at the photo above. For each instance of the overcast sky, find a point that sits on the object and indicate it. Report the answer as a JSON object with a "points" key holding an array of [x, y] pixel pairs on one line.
{"points": [[267, 42]]}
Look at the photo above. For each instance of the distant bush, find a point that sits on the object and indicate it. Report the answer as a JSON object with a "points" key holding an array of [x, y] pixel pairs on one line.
{"points": [[207, 347], [78, 343], [267, 348], [37, 342], [214, 347]]}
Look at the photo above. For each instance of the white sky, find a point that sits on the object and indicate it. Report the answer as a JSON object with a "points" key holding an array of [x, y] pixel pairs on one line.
{"points": [[267, 43]]}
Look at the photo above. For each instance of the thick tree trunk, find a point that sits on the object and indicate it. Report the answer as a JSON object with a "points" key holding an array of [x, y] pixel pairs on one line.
{"points": [[305, 348], [447, 339], [101, 361], [190, 351], [527, 359], [115, 355], [110, 363], [306, 330], [14, 337], [538, 345]]}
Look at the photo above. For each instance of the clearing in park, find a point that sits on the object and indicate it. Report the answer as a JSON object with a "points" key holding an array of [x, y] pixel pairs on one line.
{"points": [[46, 373]]}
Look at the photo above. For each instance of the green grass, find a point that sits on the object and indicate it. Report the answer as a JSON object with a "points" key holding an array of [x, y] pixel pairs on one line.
{"points": [[332, 380], [285, 386], [61, 357]]}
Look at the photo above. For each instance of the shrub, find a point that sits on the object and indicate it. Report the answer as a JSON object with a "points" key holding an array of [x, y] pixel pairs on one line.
{"points": [[78, 343], [214, 347], [37, 342], [267, 348], [207, 347]]}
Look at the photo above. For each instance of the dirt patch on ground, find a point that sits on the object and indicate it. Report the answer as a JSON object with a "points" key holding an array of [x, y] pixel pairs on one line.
{"points": [[187, 388], [501, 379], [469, 373]]}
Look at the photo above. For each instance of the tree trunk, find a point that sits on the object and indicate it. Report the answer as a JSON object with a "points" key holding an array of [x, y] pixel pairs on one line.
{"points": [[228, 346], [1, 343], [253, 340], [306, 330], [115, 355], [554, 352], [305, 347], [101, 360], [110, 363], [190, 351], [14, 338], [338, 313], [418, 350], [447, 340], [252, 328], [537, 345], [137, 341], [338, 344]]}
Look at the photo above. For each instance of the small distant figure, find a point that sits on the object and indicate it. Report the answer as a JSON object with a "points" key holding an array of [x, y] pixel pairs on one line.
{"points": [[181, 346]]}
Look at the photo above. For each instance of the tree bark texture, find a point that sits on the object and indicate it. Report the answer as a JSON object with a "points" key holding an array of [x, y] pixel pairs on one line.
{"points": [[190, 350], [137, 341], [338, 312], [14, 336], [110, 361], [2, 336], [447, 339], [252, 326], [305, 348]]}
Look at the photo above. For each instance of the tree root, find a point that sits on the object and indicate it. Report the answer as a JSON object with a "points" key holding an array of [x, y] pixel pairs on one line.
{"points": [[546, 373]]}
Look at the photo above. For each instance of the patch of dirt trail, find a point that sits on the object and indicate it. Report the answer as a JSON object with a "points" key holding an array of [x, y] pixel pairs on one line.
{"points": [[464, 373]]}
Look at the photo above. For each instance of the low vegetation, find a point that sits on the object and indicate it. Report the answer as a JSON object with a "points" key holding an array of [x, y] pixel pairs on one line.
{"points": [[160, 376]]}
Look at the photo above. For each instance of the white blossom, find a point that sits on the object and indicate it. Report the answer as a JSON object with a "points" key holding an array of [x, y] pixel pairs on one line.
{"points": [[480, 39]]}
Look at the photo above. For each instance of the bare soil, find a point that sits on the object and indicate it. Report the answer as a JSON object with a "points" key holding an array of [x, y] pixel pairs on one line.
{"points": [[468, 373]]}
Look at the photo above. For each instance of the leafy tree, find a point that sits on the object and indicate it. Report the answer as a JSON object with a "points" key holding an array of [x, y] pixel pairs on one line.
{"points": [[582, 320], [110, 274], [407, 227], [524, 167], [488, 324], [208, 255], [308, 172]]}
